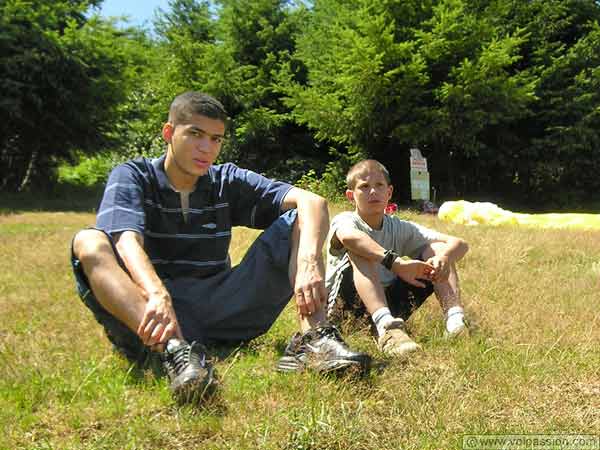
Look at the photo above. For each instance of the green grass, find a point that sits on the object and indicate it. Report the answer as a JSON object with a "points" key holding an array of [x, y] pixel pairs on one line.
{"points": [[532, 366]]}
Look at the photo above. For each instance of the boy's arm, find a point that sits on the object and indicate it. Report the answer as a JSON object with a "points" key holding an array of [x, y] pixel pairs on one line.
{"points": [[452, 250], [357, 242], [361, 244], [313, 223], [159, 322]]}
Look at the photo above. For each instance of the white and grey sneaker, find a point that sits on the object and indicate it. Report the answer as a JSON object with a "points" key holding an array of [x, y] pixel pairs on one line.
{"points": [[323, 350]]}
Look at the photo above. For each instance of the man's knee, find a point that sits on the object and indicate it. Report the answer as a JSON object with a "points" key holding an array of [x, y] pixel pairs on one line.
{"points": [[91, 245]]}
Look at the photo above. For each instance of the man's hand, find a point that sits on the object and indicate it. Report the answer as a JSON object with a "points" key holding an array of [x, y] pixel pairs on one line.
{"points": [[412, 271], [309, 288], [441, 265], [159, 323]]}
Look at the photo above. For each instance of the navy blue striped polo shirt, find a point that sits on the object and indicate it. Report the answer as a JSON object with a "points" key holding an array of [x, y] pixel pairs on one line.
{"points": [[139, 197]]}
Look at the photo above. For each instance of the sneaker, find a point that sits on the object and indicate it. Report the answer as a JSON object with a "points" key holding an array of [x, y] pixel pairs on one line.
{"points": [[190, 373], [321, 349], [394, 341]]}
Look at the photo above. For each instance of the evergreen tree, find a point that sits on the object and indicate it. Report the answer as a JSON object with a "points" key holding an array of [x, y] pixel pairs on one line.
{"points": [[62, 77]]}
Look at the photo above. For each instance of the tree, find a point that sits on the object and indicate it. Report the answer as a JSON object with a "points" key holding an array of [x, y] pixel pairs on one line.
{"points": [[475, 84], [383, 78], [351, 80], [478, 97], [562, 133], [62, 77]]}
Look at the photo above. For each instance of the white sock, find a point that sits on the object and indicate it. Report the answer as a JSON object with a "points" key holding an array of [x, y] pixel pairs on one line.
{"points": [[455, 319], [381, 318]]}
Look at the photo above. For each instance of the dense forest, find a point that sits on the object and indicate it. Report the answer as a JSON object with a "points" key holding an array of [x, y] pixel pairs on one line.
{"points": [[501, 96]]}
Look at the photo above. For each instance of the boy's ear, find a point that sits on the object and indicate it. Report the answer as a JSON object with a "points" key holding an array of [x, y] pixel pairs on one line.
{"points": [[167, 132], [350, 195]]}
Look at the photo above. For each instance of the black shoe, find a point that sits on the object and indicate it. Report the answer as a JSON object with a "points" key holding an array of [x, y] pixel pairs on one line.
{"points": [[321, 349], [190, 373]]}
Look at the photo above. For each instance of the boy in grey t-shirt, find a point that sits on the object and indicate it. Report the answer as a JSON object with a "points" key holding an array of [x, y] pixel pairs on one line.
{"points": [[365, 272]]}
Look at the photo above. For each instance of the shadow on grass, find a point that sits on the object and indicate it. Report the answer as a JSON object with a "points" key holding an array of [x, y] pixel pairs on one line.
{"points": [[61, 197]]}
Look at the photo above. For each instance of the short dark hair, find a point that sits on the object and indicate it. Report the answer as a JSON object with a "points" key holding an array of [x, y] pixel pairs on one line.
{"points": [[360, 167], [189, 103]]}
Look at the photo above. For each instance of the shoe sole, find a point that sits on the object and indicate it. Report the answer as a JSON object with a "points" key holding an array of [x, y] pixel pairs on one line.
{"points": [[291, 364]]}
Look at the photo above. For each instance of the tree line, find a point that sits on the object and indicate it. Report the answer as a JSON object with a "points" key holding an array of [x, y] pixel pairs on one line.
{"points": [[501, 96]]}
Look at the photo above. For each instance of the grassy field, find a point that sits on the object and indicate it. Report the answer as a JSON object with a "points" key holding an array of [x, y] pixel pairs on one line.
{"points": [[531, 366]]}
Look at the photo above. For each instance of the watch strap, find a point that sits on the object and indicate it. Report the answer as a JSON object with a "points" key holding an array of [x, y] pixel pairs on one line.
{"points": [[388, 259]]}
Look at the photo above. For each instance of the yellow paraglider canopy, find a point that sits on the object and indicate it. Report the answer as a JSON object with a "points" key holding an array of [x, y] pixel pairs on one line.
{"points": [[468, 213]]}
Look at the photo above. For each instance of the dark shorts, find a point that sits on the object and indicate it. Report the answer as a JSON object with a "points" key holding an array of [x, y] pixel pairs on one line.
{"points": [[235, 305], [402, 298]]}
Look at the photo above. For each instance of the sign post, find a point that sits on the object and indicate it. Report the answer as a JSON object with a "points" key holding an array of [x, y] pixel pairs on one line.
{"points": [[419, 176]]}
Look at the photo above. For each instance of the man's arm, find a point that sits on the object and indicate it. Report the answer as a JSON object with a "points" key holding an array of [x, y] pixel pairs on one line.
{"points": [[313, 224], [159, 322], [360, 243]]}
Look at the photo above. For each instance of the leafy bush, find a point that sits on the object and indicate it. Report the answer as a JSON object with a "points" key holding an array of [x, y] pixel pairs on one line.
{"points": [[331, 184], [90, 171]]}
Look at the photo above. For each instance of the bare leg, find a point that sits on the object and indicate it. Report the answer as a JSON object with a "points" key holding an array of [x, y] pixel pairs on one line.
{"points": [[319, 317], [111, 285], [392, 339], [366, 280], [447, 292]]}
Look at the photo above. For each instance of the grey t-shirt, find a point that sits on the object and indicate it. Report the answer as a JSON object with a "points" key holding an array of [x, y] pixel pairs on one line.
{"points": [[405, 238]]}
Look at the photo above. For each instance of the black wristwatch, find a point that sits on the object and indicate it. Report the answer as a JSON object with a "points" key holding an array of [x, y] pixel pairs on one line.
{"points": [[388, 259]]}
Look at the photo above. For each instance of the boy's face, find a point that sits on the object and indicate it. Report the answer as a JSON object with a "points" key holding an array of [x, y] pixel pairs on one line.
{"points": [[195, 144], [371, 193]]}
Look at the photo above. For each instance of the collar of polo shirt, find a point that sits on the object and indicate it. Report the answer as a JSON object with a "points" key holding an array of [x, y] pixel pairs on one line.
{"points": [[203, 183]]}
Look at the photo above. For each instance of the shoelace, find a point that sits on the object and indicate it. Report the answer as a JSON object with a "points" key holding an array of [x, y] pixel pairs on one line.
{"points": [[179, 358], [184, 355], [329, 331]]}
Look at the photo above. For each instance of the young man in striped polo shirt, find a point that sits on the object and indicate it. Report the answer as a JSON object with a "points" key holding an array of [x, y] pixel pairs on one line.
{"points": [[156, 271]]}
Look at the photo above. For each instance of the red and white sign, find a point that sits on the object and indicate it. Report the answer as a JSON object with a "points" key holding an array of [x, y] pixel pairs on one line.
{"points": [[418, 163], [419, 176]]}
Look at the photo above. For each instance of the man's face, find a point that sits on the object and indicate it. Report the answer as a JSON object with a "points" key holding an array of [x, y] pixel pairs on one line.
{"points": [[195, 144], [371, 193]]}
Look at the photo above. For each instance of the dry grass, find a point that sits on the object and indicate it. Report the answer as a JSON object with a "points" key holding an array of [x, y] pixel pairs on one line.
{"points": [[532, 366]]}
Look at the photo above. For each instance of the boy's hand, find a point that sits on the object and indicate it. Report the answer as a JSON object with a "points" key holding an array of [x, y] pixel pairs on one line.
{"points": [[441, 265], [412, 271], [159, 323], [309, 289]]}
